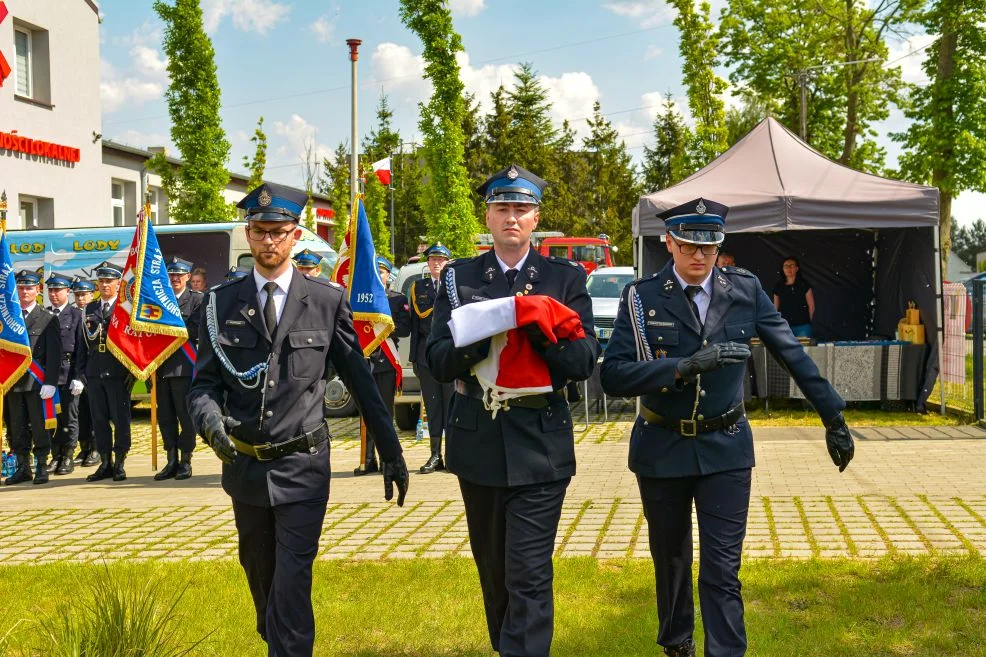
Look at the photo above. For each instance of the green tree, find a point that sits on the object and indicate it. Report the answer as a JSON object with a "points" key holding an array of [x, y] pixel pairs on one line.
{"points": [[445, 198], [740, 120], [667, 162], [258, 162], [195, 189], [699, 46], [379, 144], [945, 144], [563, 207], [334, 184], [967, 243]]}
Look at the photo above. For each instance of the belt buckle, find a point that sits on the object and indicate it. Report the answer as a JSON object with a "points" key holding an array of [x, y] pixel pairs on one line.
{"points": [[102, 347], [688, 428], [256, 452]]}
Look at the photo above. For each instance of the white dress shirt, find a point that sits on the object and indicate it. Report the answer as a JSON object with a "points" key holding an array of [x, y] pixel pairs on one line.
{"points": [[702, 299], [520, 263], [280, 294]]}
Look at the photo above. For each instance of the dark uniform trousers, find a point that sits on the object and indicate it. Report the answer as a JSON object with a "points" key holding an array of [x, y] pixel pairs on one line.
{"points": [[70, 321], [109, 385], [27, 421], [384, 374], [437, 395], [711, 469], [86, 436], [174, 378], [279, 504], [513, 469]]}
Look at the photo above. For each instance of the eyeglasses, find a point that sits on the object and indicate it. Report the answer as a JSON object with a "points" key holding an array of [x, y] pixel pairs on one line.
{"points": [[690, 249], [276, 236]]}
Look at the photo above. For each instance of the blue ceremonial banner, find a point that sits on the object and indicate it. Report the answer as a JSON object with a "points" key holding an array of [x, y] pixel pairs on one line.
{"points": [[356, 269], [15, 346], [146, 326]]}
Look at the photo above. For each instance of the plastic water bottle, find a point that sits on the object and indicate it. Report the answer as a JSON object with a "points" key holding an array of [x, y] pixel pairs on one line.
{"points": [[4, 470], [11, 463], [418, 431]]}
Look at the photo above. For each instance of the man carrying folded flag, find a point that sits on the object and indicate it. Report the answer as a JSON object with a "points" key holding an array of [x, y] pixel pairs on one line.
{"points": [[33, 399]]}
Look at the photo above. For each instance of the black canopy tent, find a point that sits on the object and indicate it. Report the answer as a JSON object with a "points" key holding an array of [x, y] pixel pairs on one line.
{"points": [[867, 245]]}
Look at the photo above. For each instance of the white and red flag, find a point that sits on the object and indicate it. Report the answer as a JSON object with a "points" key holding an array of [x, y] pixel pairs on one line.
{"points": [[382, 169]]}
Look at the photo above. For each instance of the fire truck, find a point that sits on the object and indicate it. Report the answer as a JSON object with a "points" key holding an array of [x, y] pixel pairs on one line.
{"points": [[590, 252]]}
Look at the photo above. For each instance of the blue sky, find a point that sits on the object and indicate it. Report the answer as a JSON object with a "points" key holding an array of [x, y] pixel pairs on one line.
{"points": [[287, 60]]}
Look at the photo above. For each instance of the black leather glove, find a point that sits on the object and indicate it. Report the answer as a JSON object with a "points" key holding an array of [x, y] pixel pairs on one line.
{"points": [[395, 471], [712, 358], [214, 432], [839, 442], [538, 340]]}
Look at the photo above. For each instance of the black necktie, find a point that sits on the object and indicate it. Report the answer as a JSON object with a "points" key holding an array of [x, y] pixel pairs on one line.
{"points": [[691, 291], [106, 310], [511, 275], [25, 312], [56, 311], [270, 310]]}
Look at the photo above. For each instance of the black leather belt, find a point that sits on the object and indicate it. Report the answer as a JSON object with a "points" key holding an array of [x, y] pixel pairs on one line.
{"points": [[270, 451], [527, 401], [691, 428]]}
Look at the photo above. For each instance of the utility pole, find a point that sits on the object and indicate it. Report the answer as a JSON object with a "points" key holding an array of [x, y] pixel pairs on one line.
{"points": [[354, 45], [802, 79]]}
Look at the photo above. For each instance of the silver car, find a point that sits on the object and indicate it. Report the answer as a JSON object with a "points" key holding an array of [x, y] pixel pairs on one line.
{"points": [[605, 285]]}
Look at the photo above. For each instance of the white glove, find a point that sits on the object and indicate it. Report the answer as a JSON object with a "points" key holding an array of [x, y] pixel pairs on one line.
{"points": [[47, 392], [75, 387]]}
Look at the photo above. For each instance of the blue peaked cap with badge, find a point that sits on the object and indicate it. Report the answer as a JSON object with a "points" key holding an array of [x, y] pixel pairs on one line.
{"points": [[82, 285], [272, 202], [236, 273], [58, 281], [438, 250], [107, 269], [383, 263], [696, 222], [179, 266], [27, 277], [307, 258], [513, 185]]}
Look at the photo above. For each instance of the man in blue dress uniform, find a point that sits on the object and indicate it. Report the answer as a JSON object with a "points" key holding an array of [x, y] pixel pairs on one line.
{"points": [[82, 293], [70, 385], [308, 262], [266, 344], [513, 465], [680, 343]]}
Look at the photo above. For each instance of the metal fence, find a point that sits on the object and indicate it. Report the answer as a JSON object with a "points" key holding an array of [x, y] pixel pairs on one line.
{"points": [[961, 377]]}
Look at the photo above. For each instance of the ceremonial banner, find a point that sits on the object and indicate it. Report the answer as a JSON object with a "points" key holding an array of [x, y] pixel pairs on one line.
{"points": [[356, 270], [15, 346], [52, 406], [146, 326]]}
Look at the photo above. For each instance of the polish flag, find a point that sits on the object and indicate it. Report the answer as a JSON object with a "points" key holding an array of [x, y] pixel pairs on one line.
{"points": [[513, 368], [4, 66], [382, 169]]}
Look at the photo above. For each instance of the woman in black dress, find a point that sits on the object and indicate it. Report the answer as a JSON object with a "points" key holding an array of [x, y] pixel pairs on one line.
{"points": [[794, 300]]}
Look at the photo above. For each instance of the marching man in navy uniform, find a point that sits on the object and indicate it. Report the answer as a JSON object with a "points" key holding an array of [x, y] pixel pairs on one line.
{"points": [[70, 378], [513, 465], [437, 396], [383, 371], [82, 293], [174, 377], [680, 343], [308, 262], [107, 380], [24, 399], [266, 344]]}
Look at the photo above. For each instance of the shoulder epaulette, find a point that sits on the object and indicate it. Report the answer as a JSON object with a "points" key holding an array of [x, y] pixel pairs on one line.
{"points": [[225, 284], [737, 271], [558, 260], [323, 281], [644, 279]]}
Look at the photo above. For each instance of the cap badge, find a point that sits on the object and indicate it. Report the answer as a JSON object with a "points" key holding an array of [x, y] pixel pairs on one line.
{"points": [[700, 208], [512, 173], [264, 199]]}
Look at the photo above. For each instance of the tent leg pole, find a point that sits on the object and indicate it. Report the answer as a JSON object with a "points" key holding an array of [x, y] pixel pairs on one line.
{"points": [[939, 311]]}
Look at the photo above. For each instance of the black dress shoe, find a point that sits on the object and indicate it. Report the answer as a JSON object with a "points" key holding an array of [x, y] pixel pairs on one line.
{"points": [[105, 469], [184, 470], [119, 474], [686, 649], [54, 463], [67, 466], [370, 468], [170, 468], [41, 473], [21, 474], [435, 462], [91, 459]]}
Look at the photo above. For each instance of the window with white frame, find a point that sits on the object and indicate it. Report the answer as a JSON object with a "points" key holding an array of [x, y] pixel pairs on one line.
{"points": [[29, 213], [152, 202], [22, 65], [116, 202]]}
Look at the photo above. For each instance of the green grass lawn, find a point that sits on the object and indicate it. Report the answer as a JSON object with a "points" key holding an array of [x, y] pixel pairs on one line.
{"points": [[792, 413], [894, 607]]}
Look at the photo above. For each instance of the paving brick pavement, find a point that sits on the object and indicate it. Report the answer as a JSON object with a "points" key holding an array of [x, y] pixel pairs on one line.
{"points": [[909, 490]]}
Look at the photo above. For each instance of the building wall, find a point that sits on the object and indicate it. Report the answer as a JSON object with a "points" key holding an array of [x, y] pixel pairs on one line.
{"points": [[65, 110]]}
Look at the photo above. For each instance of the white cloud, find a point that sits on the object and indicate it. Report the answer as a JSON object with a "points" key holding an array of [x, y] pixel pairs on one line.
{"points": [[969, 206], [248, 15], [653, 52], [399, 71], [149, 62], [466, 7], [295, 136], [910, 64], [647, 13], [146, 33], [323, 29], [571, 96], [486, 79], [143, 139], [116, 90]]}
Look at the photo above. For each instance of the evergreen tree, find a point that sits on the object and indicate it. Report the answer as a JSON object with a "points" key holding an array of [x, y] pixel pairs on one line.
{"points": [[667, 162], [335, 185], [445, 198], [563, 207], [258, 163], [379, 144], [195, 189], [531, 132], [740, 120]]}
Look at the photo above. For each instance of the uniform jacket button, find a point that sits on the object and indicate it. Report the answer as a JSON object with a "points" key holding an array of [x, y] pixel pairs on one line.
{"points": [[236, 340], [271, 384], [664, 389], [699, 417], [309, 341], [269, 414], [705, 343], [701, 393], [660, 338]]}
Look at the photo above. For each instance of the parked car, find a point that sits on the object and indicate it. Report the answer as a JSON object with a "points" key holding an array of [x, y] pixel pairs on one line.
{"points": [[605, 285]]}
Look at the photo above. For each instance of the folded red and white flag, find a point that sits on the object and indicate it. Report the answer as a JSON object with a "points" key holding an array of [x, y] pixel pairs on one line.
{"points": [[513, 367]]}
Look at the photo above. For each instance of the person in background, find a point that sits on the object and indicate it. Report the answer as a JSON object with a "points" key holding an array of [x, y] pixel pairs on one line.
{"points": [[198, 282], [70, 385], [794, 299], [725, 259], [308, 262], [236, 273], [87, 457]]}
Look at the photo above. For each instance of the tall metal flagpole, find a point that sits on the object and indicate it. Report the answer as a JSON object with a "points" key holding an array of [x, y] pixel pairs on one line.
{"points": [[3, 230], [354, 45], [393, 249]]}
